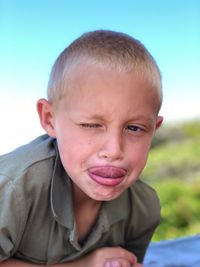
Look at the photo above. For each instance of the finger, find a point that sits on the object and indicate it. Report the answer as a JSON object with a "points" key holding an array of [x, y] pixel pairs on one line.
{"points": [[112, 264], [118, 263], [115, 264], [123, 254], [137, 265]]}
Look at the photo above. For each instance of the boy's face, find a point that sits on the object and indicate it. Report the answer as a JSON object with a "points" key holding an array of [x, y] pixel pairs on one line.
{"points": [[104, 127]]}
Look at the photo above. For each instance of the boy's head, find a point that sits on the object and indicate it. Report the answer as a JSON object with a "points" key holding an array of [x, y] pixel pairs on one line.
{"points": [[104, 96], [108, 49]]}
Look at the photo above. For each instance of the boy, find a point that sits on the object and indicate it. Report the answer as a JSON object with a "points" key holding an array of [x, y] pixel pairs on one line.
{"points": [[73, 197]]}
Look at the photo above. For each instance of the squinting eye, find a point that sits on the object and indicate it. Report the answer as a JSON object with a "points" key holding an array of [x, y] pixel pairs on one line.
{"points": [[90, 125], [134, 128]]}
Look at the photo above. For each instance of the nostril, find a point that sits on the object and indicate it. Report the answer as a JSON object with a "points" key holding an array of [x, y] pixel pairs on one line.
{"points": [[111, 153], [112, 146]]}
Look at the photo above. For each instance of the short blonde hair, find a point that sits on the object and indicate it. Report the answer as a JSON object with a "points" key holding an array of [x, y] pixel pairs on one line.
{"points": [[107, 48]]}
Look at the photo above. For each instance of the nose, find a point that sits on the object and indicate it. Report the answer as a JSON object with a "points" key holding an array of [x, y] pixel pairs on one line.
{"points": [[112, 147]]}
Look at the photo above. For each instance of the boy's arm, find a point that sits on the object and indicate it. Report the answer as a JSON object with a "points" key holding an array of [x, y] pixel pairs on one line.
{"points": [[145, 220], [103, 257], [11, 214]]}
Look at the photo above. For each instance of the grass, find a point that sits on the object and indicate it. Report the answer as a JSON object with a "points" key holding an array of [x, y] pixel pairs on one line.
{"points": [[173, 170]]}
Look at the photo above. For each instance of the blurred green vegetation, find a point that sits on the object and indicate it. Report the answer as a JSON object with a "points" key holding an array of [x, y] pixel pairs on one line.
{"points": [[173, 169]]}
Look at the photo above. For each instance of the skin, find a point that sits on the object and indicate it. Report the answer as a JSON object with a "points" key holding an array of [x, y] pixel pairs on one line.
{"points": [[104, 257], [108, 120]]}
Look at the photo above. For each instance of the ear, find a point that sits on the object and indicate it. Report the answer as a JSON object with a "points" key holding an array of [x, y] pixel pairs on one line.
{"points": [[159, 121], [46, 115]]}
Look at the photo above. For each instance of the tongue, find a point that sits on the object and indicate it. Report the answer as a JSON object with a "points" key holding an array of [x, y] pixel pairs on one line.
{"points": [[108, 172]]}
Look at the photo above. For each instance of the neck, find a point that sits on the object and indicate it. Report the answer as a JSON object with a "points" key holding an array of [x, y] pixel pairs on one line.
{"points": [[86, 211], [80, 199]]}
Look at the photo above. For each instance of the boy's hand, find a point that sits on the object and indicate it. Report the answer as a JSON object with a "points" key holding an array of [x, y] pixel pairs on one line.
{"points": [[111, 257], [103, 257], [121, 263]]}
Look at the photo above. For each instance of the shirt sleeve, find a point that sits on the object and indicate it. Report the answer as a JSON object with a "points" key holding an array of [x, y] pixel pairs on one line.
{"points": [[139, 245], [143, 220], [11, 210]]}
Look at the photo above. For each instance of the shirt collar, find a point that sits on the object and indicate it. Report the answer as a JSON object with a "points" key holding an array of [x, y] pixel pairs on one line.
{"points": [[61, 196], [115, 210], [62, 205]]}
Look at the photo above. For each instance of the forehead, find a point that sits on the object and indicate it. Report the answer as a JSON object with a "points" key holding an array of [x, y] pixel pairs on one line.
{"points": [[86, 75], [99, 88]]}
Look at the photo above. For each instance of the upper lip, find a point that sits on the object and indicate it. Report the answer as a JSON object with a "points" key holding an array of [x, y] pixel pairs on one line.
{"points": [[108, 171]]}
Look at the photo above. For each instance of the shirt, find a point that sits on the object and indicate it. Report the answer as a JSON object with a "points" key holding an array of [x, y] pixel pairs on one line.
{"points": [[36, 211]]}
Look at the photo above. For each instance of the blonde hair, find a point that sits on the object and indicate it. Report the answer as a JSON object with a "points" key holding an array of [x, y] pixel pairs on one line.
{"points": [[108, 49]]}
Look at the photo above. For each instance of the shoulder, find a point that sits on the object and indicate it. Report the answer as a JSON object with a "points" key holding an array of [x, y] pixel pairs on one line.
{"points": [[138, 207], [26, 173], [33, 155], [144, 202], [25, 182], [141, 191]]}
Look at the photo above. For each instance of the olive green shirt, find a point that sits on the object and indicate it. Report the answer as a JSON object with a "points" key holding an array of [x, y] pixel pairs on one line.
{"points": [[36, 210]]}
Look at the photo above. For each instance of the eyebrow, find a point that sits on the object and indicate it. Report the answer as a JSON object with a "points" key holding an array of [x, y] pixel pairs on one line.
{"points": [[142, 117], [100, 117]]}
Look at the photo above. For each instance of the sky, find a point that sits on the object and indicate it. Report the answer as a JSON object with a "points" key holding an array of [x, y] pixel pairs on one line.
{"points": [[33, 33]]}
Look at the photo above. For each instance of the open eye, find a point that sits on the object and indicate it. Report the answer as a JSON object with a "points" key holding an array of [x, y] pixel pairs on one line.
{"points": [[134, 128]]}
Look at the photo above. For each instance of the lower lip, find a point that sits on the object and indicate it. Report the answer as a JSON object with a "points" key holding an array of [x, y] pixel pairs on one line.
{"points": [[106, 181]]}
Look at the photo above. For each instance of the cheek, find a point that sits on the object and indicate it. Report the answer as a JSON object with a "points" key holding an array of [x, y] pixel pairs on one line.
{"points": [[138, 154], [75, 151]]}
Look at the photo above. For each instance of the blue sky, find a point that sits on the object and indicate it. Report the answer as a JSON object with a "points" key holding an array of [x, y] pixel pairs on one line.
{"points": [[33, 33]]}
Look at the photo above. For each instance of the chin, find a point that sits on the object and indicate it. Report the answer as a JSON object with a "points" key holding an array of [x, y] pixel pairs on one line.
{"points": [[105, 197]]}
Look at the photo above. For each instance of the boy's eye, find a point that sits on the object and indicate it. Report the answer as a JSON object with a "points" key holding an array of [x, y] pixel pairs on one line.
{"points": [[90, 125], [134, 128]]}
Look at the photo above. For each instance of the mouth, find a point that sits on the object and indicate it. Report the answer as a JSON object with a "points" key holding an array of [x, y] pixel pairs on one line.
{"points": [[107, 175]]}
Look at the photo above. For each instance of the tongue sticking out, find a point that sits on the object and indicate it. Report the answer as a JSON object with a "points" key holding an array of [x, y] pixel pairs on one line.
{"points": [[108, 172], [107, 175]]}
